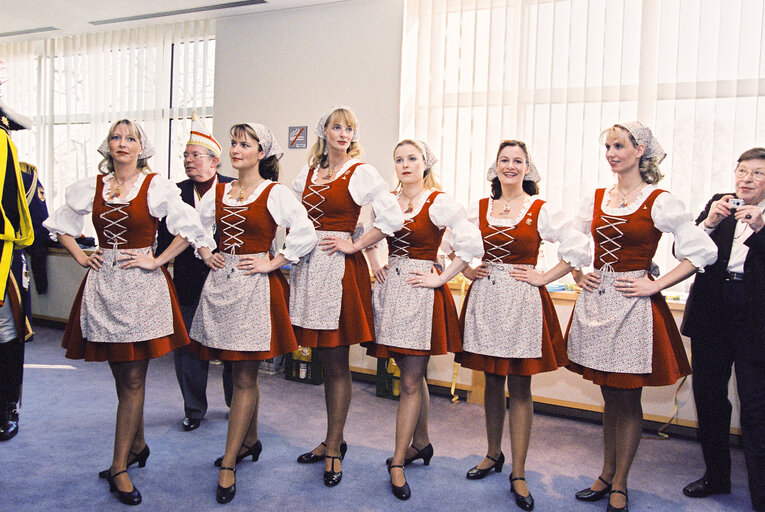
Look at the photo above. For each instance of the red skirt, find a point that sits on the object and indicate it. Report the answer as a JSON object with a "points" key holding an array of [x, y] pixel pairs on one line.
{"points": [[78, 347], [444, 333], [553, 347], [356, 324], [668, 362], [282, 336]]}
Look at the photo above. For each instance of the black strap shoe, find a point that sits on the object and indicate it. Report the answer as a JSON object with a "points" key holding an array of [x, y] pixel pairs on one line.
{"points": [[704, 487], [127, 497], [225, 494], [612, 508], [476, 473], [253, 451], [523, 502], [589, 495], [311, 458], [332, 477], [403, 492], [425, 454], [138, 458]]}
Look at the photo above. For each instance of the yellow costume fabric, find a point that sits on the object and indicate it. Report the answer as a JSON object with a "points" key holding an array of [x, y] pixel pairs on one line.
{"points": [[10, 238]]}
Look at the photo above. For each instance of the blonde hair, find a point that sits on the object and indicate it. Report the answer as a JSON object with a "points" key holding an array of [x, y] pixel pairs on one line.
{"points": [[429, 177], [649, 167], [317, 156], [106, 165]]}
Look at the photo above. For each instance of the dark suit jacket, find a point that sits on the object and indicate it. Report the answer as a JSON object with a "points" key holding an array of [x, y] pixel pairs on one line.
{"points": [[189, 272], [701, 312]]}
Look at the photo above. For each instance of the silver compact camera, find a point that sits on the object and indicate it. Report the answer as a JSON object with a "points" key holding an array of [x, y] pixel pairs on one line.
{"points": [[735, 202]]}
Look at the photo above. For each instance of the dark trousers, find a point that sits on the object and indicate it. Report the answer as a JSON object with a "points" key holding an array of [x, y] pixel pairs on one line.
{"points": [[192, 375], [712, 358], [11, 370]]}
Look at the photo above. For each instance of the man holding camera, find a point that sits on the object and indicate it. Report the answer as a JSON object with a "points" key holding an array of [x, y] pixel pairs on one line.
{"points": [[725, 319]]}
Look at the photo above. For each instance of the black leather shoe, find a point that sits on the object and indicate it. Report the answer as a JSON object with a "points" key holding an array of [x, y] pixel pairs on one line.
{"points": [[523, 502], [332, 478], [9, 422], [190, 424], [403, 492], [475, 473], [589, 495], [425, 454], [128, 498], [612, 508], [226, 494], [138, 458], [310, 458], [704, 487], [253, 451]]}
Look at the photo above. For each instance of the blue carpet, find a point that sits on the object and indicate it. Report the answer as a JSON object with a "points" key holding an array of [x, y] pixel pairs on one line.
{"points": [[67, 426]]}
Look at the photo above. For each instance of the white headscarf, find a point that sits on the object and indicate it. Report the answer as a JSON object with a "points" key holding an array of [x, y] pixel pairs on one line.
{"points": [[266, 139], [319, 128], [147, 149], [643, 135], [427, 154]]}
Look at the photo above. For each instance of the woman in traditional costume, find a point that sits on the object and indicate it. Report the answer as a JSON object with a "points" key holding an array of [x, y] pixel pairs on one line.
{"points": [[415, 314], [330, 289], [510, 330], [126, 311], [242, 315], [622, 335]]}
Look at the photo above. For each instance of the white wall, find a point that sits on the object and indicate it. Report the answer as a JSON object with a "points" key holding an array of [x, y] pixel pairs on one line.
{"points": [[288, 67]]}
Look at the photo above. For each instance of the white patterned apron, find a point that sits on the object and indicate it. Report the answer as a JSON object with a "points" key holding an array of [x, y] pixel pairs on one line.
{"points": [[125, 305], [503, 316], [611, 332], [403, 313], [316, 287], [234, 311]]}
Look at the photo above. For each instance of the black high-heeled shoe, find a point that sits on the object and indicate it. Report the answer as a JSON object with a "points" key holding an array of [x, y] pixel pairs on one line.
{"points": [[476, 473], [253, 451], [332, 478], [589, 495], [425, 454], [612, 508], [138, 458], [225, 494], [128, 498], [403, 492], [310, 457], [523, 502]]}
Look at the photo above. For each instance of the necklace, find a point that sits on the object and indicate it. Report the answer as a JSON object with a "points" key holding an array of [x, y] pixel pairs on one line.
{"points": [[410, 204], [242, 189], [623, 201], [117, 186], [331, 170], [506, 208]]}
